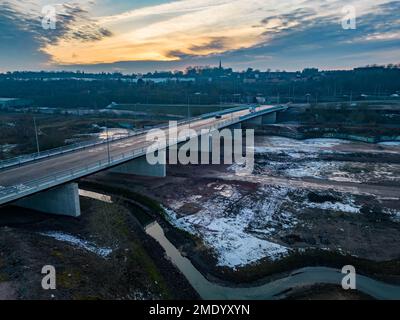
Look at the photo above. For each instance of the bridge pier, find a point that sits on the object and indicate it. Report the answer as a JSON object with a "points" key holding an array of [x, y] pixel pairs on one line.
{"points": [[62, 200], [269, 118], [259, 121], [208, 148], [141, 167], [253, 123]]}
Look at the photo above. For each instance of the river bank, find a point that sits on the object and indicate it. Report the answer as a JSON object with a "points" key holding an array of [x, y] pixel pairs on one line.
{"points": [[368, 134], [204, 259], [312, 205], [292, 211], [105, 254], [310, 282]]}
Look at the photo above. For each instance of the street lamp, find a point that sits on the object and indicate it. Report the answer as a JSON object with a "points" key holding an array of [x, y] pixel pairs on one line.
{"points": [[188, 109], [36, 135], [308, 95], [108, 144]]}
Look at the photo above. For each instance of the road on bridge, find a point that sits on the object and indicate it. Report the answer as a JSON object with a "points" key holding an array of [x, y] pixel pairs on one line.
{"points": [[18, 176]]}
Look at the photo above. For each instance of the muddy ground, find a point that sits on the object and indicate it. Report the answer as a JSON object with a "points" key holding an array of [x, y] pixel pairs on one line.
{"points": [[342, 209], [316, 202], [134, 269], [325, 292]]}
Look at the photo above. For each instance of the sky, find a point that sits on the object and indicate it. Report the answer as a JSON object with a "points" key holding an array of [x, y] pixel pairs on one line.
{"points": [[138, 36]]}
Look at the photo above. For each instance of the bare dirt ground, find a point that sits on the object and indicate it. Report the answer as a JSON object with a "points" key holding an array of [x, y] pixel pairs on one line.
{"points": [[104, 254], [326, 292], [317, 194], [7, 291]]}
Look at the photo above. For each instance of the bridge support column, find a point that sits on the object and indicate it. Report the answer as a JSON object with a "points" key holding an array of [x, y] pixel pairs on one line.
{"points": [[253, 123], [62, 200], [269, 118], [236, 126], [141, 167], [209, 148]]}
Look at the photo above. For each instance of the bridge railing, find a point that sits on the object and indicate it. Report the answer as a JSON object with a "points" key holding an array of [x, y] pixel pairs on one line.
{"points": [[261, 112], [223, 112], [90, 144], [9, 194], [80, 146], [16, 161]]}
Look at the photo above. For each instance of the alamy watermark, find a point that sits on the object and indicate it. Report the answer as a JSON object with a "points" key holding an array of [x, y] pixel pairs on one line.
{"points": [[227, 146], [349, 20], [49, 280], [349, 280], [49, 19]]}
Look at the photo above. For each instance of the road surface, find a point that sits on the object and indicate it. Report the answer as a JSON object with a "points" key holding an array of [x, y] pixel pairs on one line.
{"points": [[26, 174]]}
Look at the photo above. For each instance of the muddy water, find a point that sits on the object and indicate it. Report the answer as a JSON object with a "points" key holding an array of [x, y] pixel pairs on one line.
{"points": [[273, 290]]}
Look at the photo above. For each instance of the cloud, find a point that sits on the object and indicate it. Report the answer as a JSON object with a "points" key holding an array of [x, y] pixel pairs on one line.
{"points": [[20, 43], [187, 27], [21, 30], [74, 22], [286, 20], [322, 42], [178, 33], [23, 39], [217, 43]]}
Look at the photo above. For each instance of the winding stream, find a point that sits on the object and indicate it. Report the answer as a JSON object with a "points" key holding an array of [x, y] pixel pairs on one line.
{"points": [[272, 290]]}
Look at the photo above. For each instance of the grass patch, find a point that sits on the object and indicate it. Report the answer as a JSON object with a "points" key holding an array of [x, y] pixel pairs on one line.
{"points": [[57, 253], [129, 263], [69, 280], [3, 277], [139, 256]]}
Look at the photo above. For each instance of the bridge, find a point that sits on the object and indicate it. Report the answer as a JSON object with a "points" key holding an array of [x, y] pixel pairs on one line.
{"points": [[47, 181]]}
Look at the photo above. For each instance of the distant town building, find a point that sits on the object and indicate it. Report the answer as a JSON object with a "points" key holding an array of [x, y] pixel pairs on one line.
{"points": [[14, 103], [310, 72], [248, 81], [261, 100]]}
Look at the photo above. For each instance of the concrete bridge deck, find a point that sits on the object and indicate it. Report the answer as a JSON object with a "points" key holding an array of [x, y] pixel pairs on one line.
{"points": [[34, 176]]}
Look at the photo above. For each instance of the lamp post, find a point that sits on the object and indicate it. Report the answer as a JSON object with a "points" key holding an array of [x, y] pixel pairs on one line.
{"points": [[308, 95], [36, 135], [188, 109], [108, 145], [135, 117]]}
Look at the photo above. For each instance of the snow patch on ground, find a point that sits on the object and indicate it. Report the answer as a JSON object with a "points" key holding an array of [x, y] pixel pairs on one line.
{"points": [[242, 229], [7, 147], [83, 244], [309, 169], [239, 228], [337, 206], [227, 236], [297, 159], [355, 172], [393, 214], [390, 143], [297, 149]]}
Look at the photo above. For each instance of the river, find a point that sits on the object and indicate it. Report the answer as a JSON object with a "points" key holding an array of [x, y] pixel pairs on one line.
{"points": [[269, 291]]}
